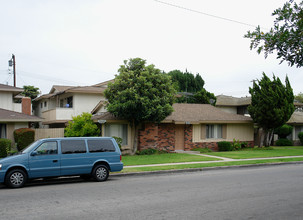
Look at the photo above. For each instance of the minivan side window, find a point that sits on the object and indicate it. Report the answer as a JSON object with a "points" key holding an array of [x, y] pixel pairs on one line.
{"points": [[47, 148], [100, 146], [73, 147]]}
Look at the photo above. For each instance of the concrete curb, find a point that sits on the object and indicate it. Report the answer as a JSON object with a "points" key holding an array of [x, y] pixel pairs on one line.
{"points": [[204, 169]]}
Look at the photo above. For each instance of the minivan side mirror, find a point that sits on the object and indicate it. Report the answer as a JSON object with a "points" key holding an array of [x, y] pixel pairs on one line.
{"points": [[34, 153]]}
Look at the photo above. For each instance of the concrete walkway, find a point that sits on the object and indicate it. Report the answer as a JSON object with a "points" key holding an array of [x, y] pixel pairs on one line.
{"points": [[221, 160]]}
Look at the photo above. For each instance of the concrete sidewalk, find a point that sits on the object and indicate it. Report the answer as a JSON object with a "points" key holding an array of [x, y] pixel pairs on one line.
{"points": [[221, 160]]}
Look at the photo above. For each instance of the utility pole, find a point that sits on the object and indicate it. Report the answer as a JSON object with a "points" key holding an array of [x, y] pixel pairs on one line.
{"points": [[12, 62]]}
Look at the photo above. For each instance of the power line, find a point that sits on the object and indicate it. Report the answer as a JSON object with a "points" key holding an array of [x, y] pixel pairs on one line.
{"points": [[207, 14]]}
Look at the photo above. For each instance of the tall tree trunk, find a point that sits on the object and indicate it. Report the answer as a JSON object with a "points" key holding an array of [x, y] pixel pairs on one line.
{"points": [[261, 137], [135, 137]]}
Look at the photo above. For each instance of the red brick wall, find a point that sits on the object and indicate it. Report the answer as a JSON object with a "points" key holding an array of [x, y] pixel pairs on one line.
{"points": [[148, 136], [166, 137], [162, 137], [26, 105]]}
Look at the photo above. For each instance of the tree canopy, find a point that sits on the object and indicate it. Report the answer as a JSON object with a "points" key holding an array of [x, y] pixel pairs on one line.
{"points": [[140, 93], [191, 88], [31, 91], [285, 37], [82, 126], [271, 104]]}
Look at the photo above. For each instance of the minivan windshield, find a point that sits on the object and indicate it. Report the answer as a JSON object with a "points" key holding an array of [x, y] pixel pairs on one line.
{"points": [[30, 147]]}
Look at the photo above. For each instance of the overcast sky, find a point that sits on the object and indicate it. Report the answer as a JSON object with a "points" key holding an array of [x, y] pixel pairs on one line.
{"points": [[77, 42]]}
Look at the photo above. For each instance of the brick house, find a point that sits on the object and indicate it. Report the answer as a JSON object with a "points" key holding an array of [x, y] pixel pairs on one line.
{"points": [[189, 126]]}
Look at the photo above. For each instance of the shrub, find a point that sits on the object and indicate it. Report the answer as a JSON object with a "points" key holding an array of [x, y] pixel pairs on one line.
{"points": [[236, 145], [283, 131], [300, 136], [24, 137], [150, 151], [202, 150], [244, 145], [5, 147], [225, 146], [284, 142], [119, 141]]}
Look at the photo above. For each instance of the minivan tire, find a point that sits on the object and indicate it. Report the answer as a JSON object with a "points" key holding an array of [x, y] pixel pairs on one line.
{"points": [[15, 178], [100, 173]]}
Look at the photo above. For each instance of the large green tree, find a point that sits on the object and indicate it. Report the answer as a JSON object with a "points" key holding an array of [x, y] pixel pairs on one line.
{"points": [[285, 37], [271, 105], [82, 126], [140, 93], [31, 91]]}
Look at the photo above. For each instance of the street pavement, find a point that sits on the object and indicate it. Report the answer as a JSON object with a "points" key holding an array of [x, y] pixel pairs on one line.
{"points": [[272, 192]]}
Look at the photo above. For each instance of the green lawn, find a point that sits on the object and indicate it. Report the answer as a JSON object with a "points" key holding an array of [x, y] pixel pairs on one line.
{"points": [[162, 158], [256, 153]]}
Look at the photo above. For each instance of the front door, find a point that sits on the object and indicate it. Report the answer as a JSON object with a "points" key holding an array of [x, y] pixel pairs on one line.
{"points": [[179, 137]]}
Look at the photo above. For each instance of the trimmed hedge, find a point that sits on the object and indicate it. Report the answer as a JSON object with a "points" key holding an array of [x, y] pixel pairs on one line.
{"points": [[284, 142], [225, 146], [24, 137], [5, 147], [300, 136]]}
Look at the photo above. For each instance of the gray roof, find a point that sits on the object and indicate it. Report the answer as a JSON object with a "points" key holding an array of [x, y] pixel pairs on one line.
{"points": [[203, 113], [7, 88], [296, 118], [193, 114], [12, 116], [223, 100]]}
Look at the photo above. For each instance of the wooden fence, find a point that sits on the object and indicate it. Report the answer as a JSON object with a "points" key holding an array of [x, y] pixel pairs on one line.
{"points": [[48, 133]]}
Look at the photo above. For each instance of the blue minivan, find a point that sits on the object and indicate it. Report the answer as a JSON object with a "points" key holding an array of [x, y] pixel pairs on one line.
{"points": [[53, 157]]}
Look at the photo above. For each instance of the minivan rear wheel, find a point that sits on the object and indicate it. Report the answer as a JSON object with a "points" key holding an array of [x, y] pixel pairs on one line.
{"points": [[15, 178], [100, 173]]}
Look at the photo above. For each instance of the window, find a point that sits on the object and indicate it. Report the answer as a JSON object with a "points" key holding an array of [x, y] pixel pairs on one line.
{"points": [[45, 104], [117, 130], [47, 148], [2, 130], [69, 102], [100, 146], [41, 105], [298, 129], [213, 131], [73, 147]]}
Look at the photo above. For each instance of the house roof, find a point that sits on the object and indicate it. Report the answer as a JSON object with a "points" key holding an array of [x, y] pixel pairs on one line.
{"points": [[192, 114], [203, 113], [7, 88], [12, 116], [296, 118], [104, 84], [223, 100], [56, 90]]}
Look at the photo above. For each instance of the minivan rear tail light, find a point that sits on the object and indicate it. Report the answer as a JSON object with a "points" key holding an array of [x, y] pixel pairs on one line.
{"points": [[121, 157]]}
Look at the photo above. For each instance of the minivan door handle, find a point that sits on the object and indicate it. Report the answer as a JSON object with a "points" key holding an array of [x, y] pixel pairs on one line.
{"points": [[55, 161]]}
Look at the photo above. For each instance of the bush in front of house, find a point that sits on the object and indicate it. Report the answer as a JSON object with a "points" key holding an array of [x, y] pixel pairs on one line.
{"points": [[5, 147], [283, 131], [24, 137], [150, 151], [284, 142], [300, 136], [225, 146]]}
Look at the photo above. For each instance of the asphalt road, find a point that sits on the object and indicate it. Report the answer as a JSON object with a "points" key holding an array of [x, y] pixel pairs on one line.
{"points": [[272, 192]]}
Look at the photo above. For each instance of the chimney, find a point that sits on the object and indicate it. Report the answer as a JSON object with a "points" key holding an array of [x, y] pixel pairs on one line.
{"points": [[27, 105]]}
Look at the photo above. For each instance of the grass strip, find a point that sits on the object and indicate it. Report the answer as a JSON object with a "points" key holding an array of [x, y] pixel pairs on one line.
{"points": [[162, 158], [261, 153], [215, 164]]}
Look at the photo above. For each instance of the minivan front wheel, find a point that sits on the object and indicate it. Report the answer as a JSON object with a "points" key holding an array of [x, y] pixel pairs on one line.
{"points": [[16, 178], [100, 173]]}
